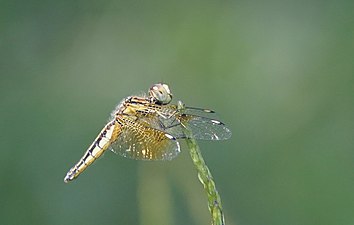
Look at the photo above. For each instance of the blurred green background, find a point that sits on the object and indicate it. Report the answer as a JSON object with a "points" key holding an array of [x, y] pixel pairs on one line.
{"points": [[280, 74]]}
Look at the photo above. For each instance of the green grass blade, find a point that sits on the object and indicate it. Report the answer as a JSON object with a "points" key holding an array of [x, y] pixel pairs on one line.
{"points": [[205, 177]]}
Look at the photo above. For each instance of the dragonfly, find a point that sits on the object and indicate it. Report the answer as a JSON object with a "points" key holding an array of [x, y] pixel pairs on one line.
{"points": [[148, 127]]}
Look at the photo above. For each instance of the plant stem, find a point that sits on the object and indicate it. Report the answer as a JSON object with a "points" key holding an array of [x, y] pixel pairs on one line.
{"points": [[205, 177]]}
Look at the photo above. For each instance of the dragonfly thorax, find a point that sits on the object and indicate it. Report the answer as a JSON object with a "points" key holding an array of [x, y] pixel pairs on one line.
{"points": [[133, 105]]}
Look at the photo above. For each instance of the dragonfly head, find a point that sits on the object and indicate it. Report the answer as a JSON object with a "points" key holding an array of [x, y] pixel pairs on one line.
{"points": [[160, 93]]}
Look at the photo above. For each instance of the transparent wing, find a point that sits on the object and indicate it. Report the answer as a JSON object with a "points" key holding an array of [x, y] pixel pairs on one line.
{"points": [[201, 122], [142, 142]]}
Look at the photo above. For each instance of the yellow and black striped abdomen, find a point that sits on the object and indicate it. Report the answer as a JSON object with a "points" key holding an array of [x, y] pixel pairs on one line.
{"points": [[108, 134]]}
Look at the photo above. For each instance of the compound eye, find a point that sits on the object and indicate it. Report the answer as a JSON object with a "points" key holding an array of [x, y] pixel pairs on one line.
{"points": [[161, 93]]}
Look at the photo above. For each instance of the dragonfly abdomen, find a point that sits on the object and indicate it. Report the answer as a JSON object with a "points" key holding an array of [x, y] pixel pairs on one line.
{"points": [[108, 134]]}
